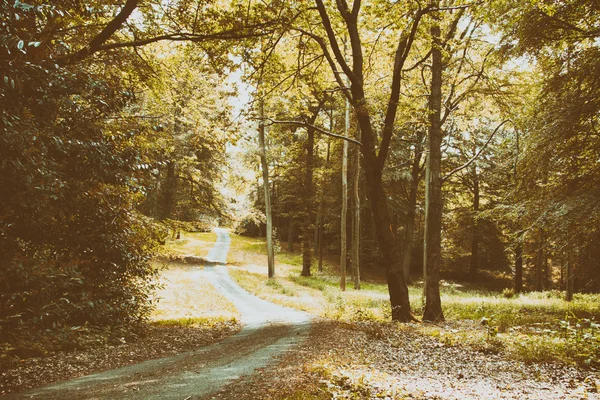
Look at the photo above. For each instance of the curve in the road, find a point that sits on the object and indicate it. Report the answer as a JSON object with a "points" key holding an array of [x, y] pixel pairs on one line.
{"points": [[268, 330]]}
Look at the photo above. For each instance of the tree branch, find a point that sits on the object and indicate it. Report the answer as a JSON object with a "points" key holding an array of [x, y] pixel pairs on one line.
{"points": [[465, 165], [402, 51], [103, 36], [316, 128], [335, 47], [321, 42]]}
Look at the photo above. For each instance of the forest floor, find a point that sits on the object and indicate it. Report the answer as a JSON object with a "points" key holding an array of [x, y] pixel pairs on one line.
{"points": [[533, 346], [351, 350]]}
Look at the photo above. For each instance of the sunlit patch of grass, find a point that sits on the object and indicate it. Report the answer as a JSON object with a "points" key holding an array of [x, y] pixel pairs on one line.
{"points": [[191, 243], [187, 294], [304, 395], [196, 322]]}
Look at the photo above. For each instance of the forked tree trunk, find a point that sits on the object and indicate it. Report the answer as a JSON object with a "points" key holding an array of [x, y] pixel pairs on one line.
{"points": [[433, 306], [373, 159]]}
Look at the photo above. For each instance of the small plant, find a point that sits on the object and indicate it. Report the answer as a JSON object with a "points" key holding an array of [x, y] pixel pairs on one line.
{"points": [[582, 336], [508, 293], [491, 330]]}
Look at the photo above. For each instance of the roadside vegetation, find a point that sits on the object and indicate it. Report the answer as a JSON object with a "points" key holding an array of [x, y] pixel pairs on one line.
{"points": [[533, 327], [187, 313]]}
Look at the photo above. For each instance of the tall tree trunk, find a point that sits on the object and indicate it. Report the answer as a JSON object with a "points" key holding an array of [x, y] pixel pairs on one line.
{"points": [[570, 277], [321, 240], [388, 246], [356, 218], [373, 159], [308, 203], [519, 266], [433, 306], [343, 255], [475, 232], [265, 171], [170, 188], [412, 206], [316, 232], [539, 263], [291, 235]]}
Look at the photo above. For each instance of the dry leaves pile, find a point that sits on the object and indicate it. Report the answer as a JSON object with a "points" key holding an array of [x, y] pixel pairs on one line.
{"points": [[370, 360]]}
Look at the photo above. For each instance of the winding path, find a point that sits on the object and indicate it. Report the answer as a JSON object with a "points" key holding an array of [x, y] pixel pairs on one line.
{"points": [[268, 330]]}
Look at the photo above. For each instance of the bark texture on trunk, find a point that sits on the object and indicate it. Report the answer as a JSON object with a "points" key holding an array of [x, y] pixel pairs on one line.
{"points": [[388, 245], [433, 306]]}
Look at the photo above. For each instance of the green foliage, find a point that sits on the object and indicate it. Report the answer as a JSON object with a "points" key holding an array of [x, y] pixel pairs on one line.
{"points": [[73, 248]]}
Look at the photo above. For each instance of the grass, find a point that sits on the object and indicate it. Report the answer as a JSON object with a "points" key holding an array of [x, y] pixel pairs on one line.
{"points": [[526, 326], [178, 301], [191, 243]]}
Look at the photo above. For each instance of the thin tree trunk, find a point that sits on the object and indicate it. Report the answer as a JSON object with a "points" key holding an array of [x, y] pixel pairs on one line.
{"points": [[539, 264], [356, 220], [519, 266], [316, 230], [433, 306], [343, 232], [321, 233], [265, 171], [290, 241], [475, 233], [570, 278], [412, 206], [170, 186], [308, 203]]}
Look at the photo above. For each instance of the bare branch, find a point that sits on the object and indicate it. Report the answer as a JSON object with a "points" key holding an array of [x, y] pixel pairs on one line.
{"points": [[465, 165], [316, 128]]}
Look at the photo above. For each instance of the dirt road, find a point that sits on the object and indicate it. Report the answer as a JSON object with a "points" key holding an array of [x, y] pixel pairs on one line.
{"points": [[269, 330]]}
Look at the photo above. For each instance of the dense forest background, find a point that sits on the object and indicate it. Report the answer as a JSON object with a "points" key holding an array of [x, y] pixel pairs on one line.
{"points": [[471, 125]]}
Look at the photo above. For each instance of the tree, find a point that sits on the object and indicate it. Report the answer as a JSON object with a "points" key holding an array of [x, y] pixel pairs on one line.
{"points": [[373, 159], [433, 203]]}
